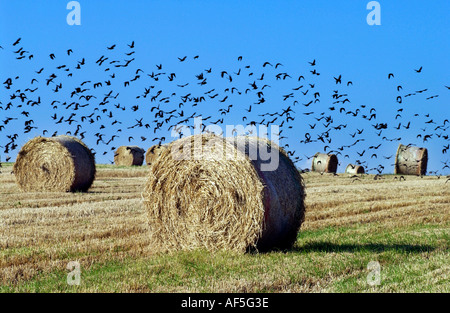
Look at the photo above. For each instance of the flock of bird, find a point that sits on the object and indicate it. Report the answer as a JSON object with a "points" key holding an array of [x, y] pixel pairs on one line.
{"points": [[122, 102]]}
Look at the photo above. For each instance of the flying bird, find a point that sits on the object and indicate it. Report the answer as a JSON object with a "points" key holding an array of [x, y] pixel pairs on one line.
{"points": [[338, 80], [17, 41]]}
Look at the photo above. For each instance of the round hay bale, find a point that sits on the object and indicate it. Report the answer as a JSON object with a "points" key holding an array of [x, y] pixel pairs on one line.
{"points": [[354, 169], [411, 160], [61, 163], [153, 153], [324, 163], [129, 155], [223, 198]]}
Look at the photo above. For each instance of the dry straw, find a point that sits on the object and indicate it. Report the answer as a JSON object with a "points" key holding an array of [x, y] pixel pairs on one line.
{"points": [[221, 199], [61, 163], [411, 160], [354, 169], [129, 155], [153, 153], [324, 163]]}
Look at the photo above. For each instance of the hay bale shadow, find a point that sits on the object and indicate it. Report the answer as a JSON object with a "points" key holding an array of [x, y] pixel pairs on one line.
{"points": [[324, 246]]}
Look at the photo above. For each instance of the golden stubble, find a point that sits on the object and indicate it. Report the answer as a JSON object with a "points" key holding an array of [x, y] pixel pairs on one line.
{"points": [[42, 232]]}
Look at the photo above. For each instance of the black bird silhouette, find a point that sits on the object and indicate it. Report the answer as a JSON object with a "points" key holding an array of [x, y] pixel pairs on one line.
{"points": [[17, 41], [338, 80], [419, 70]]}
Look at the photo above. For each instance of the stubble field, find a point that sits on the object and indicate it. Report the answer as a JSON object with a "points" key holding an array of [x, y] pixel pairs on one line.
{"points": [[401, 224]]}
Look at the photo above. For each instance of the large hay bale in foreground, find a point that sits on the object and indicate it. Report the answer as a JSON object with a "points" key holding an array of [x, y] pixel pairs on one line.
{"points": [[411, 160], [223, 198], [354, 169], [153, 153], [129, 155], [61, 163], [324, 163]]}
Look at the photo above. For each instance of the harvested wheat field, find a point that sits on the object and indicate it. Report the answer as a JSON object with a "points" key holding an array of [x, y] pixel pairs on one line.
{"points": [[401, 224]]}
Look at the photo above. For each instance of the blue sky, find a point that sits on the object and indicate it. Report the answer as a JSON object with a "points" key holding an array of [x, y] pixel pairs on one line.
{"points": [[412, 34]]}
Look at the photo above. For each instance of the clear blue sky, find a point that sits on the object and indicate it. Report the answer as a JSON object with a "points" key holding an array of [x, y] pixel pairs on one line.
{"points": [[412, 34]]}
